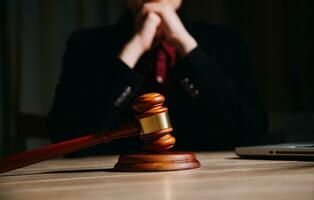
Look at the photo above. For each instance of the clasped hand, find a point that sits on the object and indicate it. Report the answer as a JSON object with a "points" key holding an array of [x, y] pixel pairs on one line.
{"points": [[156, 21]]}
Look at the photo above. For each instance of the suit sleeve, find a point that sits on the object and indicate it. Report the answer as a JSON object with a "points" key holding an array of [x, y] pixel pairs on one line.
{"points": [[226, 82], [94, 88]]}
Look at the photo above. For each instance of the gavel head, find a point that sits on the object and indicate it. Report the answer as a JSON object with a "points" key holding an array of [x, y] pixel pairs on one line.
{"points": [[154, 122]]}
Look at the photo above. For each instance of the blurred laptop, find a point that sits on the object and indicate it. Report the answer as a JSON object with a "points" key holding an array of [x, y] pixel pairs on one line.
{"points": [[296, 139], [287, 150]]}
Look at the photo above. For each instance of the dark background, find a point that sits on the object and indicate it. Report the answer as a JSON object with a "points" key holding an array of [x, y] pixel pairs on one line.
{"points": [[33, 33]]}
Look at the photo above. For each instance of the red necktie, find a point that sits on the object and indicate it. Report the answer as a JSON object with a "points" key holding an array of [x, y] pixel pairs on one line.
{"points": [[165, 59]]}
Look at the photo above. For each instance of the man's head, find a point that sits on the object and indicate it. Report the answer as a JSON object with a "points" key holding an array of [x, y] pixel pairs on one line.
{"points": [[136, 5]]}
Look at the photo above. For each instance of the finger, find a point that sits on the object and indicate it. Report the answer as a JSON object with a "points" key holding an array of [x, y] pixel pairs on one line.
{"points": [[159, 8], [151, 22], [147, 16], [166, 12]]}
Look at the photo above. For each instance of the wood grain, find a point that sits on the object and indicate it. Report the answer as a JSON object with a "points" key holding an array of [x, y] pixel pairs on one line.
{"points": [[222, 176]]}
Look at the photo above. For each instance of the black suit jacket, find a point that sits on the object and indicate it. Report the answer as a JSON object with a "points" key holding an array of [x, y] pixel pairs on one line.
{"points": [[212, 100]]}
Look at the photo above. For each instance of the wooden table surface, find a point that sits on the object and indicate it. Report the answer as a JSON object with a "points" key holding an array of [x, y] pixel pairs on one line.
{"points": [[222, 176]]}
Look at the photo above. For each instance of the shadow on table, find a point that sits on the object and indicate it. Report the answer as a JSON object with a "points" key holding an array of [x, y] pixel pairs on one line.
{"points": [[61, 171]]}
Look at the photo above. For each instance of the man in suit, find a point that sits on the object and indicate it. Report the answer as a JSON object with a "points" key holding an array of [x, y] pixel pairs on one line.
{"points": [[202, 70]]}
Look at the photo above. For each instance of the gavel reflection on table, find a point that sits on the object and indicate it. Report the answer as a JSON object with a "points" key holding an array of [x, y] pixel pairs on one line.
{"points": [[153, 126]]}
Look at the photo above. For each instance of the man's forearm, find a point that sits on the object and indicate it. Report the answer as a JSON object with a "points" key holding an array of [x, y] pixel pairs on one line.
{"points": [[131, 52]]}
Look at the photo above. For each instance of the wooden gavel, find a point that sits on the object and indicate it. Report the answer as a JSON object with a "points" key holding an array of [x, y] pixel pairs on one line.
{"points": [[152, 124]]}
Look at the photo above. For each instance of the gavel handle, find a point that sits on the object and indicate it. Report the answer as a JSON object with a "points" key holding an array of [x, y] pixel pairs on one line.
{"points": [[50, 151]]}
